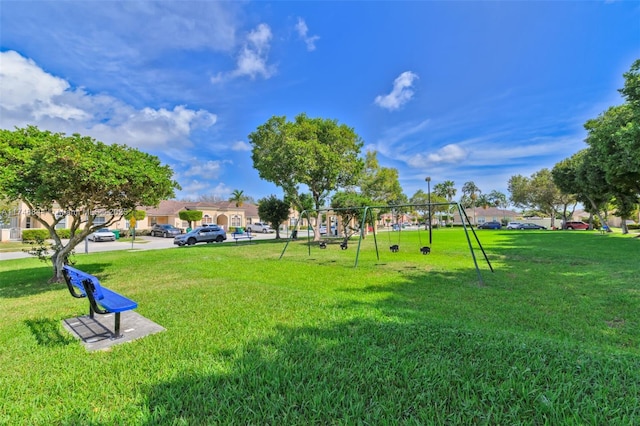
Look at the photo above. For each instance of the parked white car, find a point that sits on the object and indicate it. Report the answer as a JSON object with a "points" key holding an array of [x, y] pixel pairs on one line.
{"points": [[514, 225], [102, 234], [259, 227]]}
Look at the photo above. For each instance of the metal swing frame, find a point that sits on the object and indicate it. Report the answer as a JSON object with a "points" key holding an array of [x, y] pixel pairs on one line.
{"points": [[368, 214]]}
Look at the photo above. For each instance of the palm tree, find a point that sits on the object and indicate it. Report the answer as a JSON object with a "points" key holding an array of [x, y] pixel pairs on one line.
{"points": [[238, 197], [498, 199], [446, 190], [471, 190]]}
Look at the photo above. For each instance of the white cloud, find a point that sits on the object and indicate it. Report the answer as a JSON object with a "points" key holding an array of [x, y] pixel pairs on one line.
{"points": [[209, 169], [29, 91], [32, 96], [401, 93], [302, 29], [240, 146], [449, 154], [192, 190], [252, 58]]}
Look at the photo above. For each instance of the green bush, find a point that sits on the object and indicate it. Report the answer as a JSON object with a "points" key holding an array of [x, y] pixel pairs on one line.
{"points": [[63, 233], [35, 234], [126, 233]]}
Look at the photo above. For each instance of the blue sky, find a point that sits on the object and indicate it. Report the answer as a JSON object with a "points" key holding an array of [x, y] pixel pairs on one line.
{"points": [[461, 91]]}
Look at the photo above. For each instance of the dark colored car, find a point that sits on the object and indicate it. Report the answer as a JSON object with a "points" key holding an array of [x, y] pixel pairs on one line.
{"points": [[202, 234], [164, 230], [530, 226], [490, 225], [576, 225]]}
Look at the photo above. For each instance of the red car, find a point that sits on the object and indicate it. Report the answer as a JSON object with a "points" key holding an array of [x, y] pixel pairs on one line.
{"points": [[576, 225]]}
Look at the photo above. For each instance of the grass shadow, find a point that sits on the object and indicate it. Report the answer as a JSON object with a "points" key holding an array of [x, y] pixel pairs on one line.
{"points": [[368, 372], [47, 332], [24, 282]]}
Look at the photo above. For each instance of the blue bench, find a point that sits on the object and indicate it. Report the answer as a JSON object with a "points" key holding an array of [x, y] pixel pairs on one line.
{"points": [[101, 300], [242, 236]]}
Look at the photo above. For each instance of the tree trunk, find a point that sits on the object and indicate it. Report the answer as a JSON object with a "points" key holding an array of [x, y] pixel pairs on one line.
{"points": [[597, 212], [60, 257]]}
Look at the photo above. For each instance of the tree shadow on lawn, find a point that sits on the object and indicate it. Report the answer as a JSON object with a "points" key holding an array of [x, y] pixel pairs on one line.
{"points": [[590, 255], [47, 332], [22, 282], [372, 372]]}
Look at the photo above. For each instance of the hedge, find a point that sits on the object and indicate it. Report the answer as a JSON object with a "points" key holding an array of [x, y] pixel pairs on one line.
{"points": [[34, 234]]}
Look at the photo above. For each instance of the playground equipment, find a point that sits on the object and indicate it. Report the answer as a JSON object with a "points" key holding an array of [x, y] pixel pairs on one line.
{"points": [[367, 217]]}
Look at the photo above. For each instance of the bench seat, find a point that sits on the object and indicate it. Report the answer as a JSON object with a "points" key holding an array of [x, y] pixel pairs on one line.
{"points": [[243, 236], [101, 299], [115, 302]]}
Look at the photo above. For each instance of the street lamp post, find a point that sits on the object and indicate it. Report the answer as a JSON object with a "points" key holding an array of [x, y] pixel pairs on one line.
{"points": [[428, 179]]}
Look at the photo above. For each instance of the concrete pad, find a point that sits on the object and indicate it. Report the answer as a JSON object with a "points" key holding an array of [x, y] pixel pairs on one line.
{"points": [[96, 333]]}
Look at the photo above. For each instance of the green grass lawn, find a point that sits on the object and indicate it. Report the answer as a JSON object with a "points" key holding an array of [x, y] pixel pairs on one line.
{"points": [[551, 337]]}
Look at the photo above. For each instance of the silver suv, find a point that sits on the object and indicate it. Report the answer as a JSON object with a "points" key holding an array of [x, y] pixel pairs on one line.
{"points": [[514, 225], [259, 227], [202, 234]]}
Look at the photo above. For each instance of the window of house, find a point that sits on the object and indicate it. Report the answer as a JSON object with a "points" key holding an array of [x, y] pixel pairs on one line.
{"points": [[207, 219], [236, 220]]}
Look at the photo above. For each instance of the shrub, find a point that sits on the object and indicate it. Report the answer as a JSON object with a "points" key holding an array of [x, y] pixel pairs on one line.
{"points": [[35, 234]]}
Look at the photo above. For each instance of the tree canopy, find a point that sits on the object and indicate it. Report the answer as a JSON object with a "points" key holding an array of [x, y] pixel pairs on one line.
{"points": [[349, 205], [190, 216], [316, 152], [274, 211], [445, 189], [80, 178], [538, 193], [381, 185], [237, 197], [609, 169]]}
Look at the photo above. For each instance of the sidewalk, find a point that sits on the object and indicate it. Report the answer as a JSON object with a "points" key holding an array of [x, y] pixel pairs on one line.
{"points": [[150, 243]]}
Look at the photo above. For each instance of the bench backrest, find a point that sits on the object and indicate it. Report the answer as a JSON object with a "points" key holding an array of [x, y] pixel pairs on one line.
{"points": [[83, 282]]}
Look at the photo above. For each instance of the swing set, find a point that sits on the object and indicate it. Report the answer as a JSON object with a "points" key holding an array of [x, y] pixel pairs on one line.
{"points": [[368, 217], [395, 248]]}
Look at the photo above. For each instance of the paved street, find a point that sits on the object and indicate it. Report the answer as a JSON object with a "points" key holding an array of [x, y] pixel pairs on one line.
{"points": [[150, 243]]}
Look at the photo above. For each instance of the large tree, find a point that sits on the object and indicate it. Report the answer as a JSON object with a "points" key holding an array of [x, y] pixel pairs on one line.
{"points": [[538, 192], [349, 205], [614, 142], [583, 178], [274, 211], [609, 169], [379, 184], [316, 152], [76, 177]]}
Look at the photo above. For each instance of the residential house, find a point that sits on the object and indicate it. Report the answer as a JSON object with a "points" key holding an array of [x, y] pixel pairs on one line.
{"points": [[223, 213]]}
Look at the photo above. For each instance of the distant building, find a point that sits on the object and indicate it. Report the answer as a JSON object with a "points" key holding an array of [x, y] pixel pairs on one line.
{"points": [[223, 213]]}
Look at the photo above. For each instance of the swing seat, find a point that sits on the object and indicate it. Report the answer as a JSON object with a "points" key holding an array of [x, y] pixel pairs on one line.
{"points": [[425, 250], [344, 245], [322, 244], [394, 248]]}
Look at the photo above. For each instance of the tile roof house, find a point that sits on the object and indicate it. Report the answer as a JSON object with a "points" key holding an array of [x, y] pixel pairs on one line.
{"points": [[223, 213]]}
